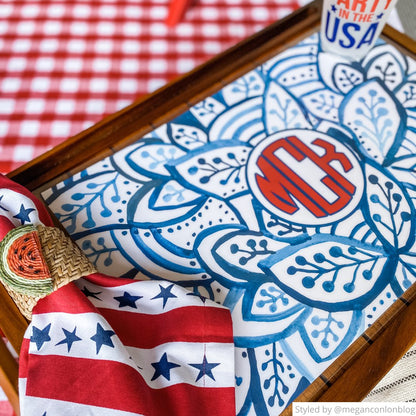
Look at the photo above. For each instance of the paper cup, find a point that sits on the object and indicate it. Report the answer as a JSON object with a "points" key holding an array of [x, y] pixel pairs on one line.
{"points": [[350, 28]]}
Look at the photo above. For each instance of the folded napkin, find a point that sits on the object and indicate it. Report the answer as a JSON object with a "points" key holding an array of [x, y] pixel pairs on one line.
{"points": [[101, 345]]}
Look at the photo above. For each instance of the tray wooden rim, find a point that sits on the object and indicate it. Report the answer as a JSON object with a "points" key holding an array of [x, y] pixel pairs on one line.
{"points": [[343, 380]]}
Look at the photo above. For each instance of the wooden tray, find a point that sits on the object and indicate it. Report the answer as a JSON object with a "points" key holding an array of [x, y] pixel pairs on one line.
{"points": [[361, 366]]}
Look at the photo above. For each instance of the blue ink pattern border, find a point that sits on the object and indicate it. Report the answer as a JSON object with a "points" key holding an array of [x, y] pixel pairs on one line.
{"points": [[180, 205]]}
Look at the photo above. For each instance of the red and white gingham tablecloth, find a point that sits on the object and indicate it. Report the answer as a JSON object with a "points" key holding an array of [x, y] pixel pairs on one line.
{"points": [[66, 64]]}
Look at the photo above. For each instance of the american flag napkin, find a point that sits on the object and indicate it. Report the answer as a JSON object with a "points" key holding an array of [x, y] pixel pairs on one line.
{"points": [[113, 346]]}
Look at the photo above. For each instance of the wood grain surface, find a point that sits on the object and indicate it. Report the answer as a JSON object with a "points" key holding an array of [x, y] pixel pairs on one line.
{"points": [[363, 364]]}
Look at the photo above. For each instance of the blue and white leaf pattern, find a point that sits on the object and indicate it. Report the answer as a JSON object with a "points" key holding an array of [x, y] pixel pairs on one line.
{"points": [[239, 253], [339, 274], [338, 74], [163, 204], [180, 204], [390, 211], [218, 171], [328, 333], [407, 95], [151, 160], [189, 137], [375, 118], [347, 77], [243, 122], [323, 104], [387, 64], [207, 110], [282, 111], [249, 85], [269, 303]]}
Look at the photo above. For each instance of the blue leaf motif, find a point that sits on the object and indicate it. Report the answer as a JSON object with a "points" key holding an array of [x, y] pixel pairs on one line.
{"points": [[173, 195], [406, 272], [404, 170], [91, 200], [188, 137], [375, 117], [282, 111], [323, 104], [387, 64], [327, 334], [389, 209], [162, 204], [207, 110], [243, 122], [278, 376], [407, 95], [249, 85], [269, 303], [151, 159], [331, 273], [338, 73], [347, 77], [149, 253], [217, 169], [233, 253]]}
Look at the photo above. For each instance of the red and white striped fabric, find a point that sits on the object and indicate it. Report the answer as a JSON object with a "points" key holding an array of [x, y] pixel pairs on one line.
{"points": [[66, 64], [111, 346], [127, 348]]}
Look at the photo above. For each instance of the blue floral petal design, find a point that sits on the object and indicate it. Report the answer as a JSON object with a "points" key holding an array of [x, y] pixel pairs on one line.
{"points": [[249, 85], [187, 137], [162, 203], [387, 64], [207, 110], [338, 73], [403, 167], [297, 69], [242, 122], [150, 157], [268, 303], [331, 273], [406, 272], [217, 169], [327, 334], [376, 118], [148, 252], [323, 104], [274, 226], [232, 253], [407, 95], [389, 209], [346, 77], [279, 377], [282, 111]]}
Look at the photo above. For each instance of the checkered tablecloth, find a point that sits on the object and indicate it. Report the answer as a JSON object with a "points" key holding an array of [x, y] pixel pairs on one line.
{"points": [[66, 64]]}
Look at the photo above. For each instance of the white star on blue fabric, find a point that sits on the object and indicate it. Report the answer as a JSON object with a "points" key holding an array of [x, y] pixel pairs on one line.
{"points": [[127, 300], [23, 214], [205, 368], [70, 338], [103, 337], [165, 294], [163, 367], [40, 336]]}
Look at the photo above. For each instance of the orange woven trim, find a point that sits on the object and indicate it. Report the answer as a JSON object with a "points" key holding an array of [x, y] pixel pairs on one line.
{"points": [[25, 257]]}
